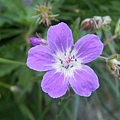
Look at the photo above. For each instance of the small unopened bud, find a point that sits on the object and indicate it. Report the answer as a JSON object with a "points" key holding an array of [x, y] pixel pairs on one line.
{"points": [[117, 29], [114, 65], [102, 22], [37, 41], [107, 20], [98, 20], [86, 24]]}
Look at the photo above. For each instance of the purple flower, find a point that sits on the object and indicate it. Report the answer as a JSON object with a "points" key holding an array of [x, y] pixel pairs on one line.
{"points": [[37, 41], [65, 62]]}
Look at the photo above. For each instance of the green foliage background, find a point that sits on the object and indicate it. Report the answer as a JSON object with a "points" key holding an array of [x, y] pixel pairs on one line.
{"points": [[21, 97]]}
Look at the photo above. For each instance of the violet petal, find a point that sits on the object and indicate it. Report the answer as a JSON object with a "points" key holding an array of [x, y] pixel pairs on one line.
{"points": [[89, 48], [39, 58], [60, 37], [37, 41], [85, 81], [54, 83]]}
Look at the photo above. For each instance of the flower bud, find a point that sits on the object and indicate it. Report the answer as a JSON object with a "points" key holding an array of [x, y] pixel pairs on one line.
{"points": [[98, 20], [106, 20], [37, 41], [114, 65], [86, 24]]}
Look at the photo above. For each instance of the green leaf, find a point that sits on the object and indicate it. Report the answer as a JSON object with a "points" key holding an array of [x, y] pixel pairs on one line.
{"points": [[25, 75], [76, 29], [6, 69], [26, 112]]}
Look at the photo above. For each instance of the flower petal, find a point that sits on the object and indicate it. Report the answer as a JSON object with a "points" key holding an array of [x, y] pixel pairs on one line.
{"points": [[37, 41], [60, 37], [55, 84], [85, 81], [39, 58], [89, 48]]}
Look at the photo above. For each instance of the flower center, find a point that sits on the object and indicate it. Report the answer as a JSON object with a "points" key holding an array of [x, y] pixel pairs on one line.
{"points": [[67, 62]]}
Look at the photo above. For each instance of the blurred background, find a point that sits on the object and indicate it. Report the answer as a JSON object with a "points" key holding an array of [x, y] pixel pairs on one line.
{"points": [[21, 97]]}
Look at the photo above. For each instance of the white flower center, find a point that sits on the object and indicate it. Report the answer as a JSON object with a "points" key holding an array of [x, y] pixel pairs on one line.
{"points": [[67, 62]]}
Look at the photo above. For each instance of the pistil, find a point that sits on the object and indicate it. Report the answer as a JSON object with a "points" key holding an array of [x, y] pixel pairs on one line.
{"points": [[68, 60]]}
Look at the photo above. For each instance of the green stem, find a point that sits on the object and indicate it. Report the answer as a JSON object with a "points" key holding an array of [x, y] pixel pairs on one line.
{"points": [[4, 85], [110, 39], [47, 1], [75, 107], [45, 110], [117, 87], [39, 100], [6, 61]]}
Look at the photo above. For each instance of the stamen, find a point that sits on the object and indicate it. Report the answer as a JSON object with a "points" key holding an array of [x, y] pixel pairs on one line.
{"points": [[61, 61], [72, 49], [75, 59], [66, 62], [66, 66], [71, 66]]}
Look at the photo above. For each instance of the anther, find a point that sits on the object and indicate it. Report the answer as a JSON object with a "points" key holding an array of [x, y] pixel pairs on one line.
{"points": [[72, 49], [75, 59], [71, 66], [66, 66], [61, 61]]}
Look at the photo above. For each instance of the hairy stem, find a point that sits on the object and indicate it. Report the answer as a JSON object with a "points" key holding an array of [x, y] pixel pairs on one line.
{"points": [[103, 58], [110, 39]]}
